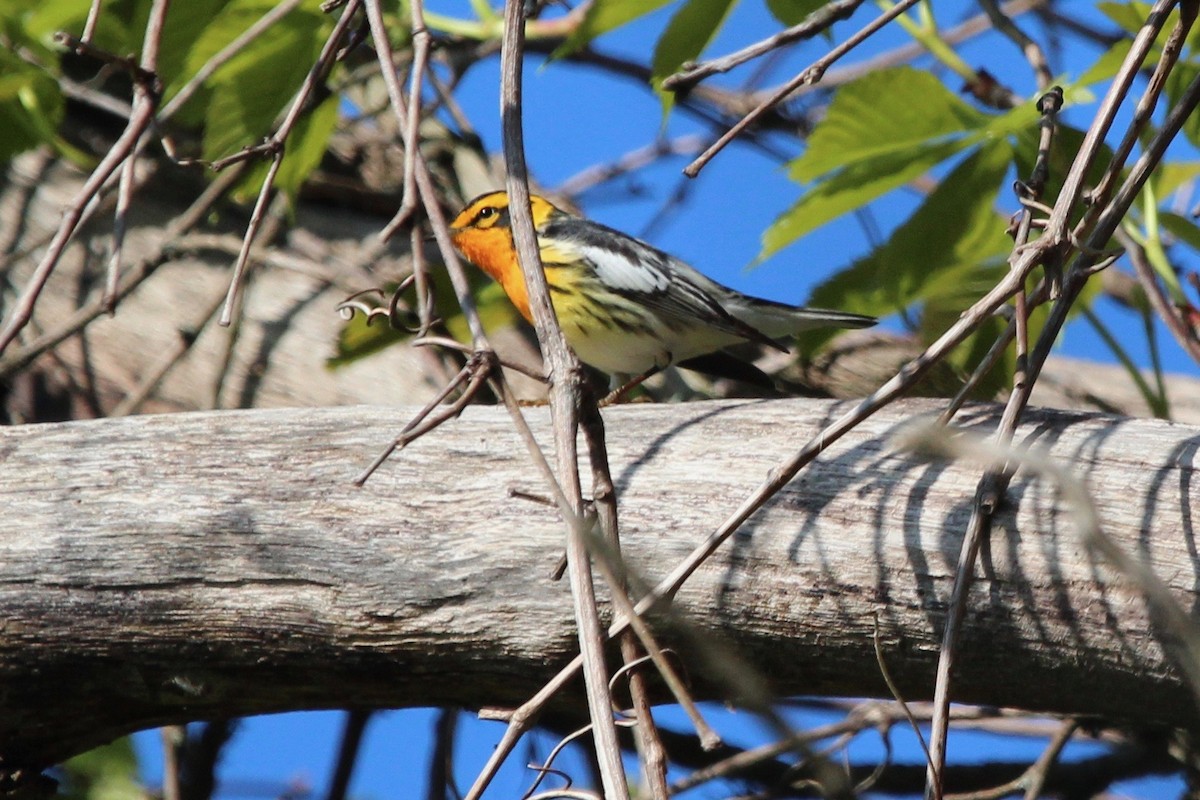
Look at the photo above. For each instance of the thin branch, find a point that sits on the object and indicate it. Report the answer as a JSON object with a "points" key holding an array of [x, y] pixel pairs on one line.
{"points": [[992, 485], [637, 159], [348, 752], [276, 143], [1032, 50], [811, 74], [817, 22], [224, 55], [566, 396], [1072, 189], [77, 210], [194, 214], [1144, 109], [1184, 334]]}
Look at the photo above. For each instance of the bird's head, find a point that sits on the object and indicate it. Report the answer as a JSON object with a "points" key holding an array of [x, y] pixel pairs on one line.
{"points": [[488, 214]]}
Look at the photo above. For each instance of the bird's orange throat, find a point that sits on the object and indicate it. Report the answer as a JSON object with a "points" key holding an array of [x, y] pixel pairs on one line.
{"points": [[493, 252]]}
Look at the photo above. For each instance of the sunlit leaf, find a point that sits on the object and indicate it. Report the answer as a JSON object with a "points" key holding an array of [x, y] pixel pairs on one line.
{"points": [[603, 16], [889, 111], [1171, 175], [109, 772], [690, 30], [1182, 228], [938, 249], [1130, 15], [250, 91], [856, 185], [303, 150], [30, 105], [1177, 82], [793, 12], [183, 22]]}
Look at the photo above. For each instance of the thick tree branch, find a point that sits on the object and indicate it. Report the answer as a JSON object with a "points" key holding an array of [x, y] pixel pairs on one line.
{"points": [[162, 569]]}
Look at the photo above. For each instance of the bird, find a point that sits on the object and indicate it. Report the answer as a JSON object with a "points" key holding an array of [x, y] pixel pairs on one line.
{"points": [[625, 307]]}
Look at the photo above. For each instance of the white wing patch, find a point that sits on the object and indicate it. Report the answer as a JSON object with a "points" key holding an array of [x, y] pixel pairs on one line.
{"points": [[616, 271]]}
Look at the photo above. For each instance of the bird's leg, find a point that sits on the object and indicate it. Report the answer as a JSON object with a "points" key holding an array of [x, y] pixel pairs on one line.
{"points": [[617, 395]]}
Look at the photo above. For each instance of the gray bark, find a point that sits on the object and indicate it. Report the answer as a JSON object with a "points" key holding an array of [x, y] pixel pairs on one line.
{"points": [[168, 568]]}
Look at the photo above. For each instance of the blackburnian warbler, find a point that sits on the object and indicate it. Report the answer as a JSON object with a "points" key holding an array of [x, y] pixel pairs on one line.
{"points": [[625, 307]]}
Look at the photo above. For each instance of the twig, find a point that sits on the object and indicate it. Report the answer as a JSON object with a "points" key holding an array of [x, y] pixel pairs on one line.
{"points": [[1031, 49], [1072, 189], [226, 53], [144, 94], [348, 751], [651, 753], [820, 20], [451, 344], [608, 561], [131, 280], [474, 374], [912, 50], [412, 143], [1184, 334], [89, 32], [173, 737], [643, 156], [441, 761], [895, 691], [429, 194], [139, 121], [992, 484], [811, 74], [275, 144], [566, 396], [1145, 106]]}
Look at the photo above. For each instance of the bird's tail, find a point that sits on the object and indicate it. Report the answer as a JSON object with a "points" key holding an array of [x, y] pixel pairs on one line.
{"points": [[779, 319]]}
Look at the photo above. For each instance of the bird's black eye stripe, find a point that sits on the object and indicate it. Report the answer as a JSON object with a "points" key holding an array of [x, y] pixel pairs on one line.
{"points": [[490, 217]]}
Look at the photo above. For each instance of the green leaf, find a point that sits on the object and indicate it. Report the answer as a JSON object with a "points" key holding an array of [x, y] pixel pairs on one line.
{"points": [[1130, 16], [604, 16], [250, 91], [106, 773], [942, 312], [793, 12], [1177, 82], [1107, 65], [690, 30], [856, 185], [1181, 228], [112, 32], [179, 36], [303, 150], [938, 250], [1170, 176], [889, 111], [30, 105]]}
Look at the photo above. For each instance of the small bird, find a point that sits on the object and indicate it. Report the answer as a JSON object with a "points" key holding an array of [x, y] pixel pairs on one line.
{"points": [[626, 307]]}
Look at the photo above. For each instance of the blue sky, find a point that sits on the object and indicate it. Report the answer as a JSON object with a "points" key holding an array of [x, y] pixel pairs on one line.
{"points": [[577, 118]]}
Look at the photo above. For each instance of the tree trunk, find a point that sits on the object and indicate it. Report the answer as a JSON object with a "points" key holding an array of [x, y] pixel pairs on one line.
{"points": [[169, 568]]}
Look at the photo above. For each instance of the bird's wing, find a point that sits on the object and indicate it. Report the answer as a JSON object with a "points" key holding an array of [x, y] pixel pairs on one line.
{"points": [[644, 274]]}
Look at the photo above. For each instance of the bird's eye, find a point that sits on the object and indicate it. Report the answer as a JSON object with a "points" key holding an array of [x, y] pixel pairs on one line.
{"points": [[487, 212]]}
